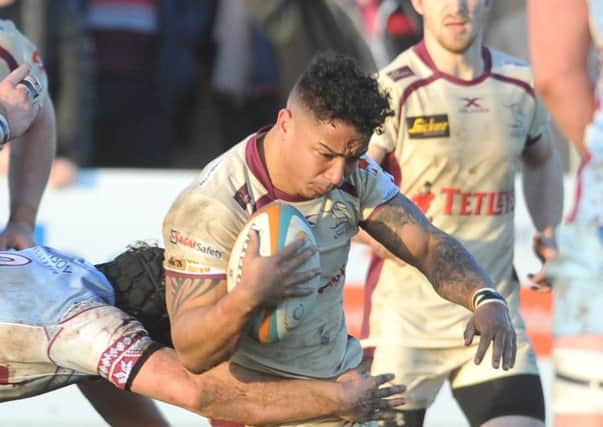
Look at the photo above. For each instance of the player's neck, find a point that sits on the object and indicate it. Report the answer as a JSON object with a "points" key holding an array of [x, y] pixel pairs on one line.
{"points": [[467, 65]]}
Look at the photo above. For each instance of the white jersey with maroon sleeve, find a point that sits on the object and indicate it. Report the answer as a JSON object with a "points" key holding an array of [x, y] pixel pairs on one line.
{"points": [[16, 49], [458, 144], [204, 221]]}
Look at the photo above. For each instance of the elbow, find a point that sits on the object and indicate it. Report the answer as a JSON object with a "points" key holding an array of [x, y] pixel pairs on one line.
{"points": [[547, 87], [198, 363], [195, 362]]}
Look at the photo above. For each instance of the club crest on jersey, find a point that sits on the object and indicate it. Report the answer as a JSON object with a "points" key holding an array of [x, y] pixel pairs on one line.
{"points": [[435, 126]]}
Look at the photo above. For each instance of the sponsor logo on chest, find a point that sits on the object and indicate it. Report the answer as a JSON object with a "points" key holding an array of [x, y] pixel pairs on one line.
{"points": [[422, 127]]}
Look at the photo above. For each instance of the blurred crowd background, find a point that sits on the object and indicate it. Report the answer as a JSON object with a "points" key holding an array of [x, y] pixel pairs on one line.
{"points": [[173, 83]]}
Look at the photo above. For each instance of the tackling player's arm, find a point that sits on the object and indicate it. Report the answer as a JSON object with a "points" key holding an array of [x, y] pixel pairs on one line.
{"points": [[233, 393], [207, 322], [403, 229], [31, 157]]}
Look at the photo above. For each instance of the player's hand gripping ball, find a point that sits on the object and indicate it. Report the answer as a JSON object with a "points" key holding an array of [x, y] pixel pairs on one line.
{"points": [[277, 224]]}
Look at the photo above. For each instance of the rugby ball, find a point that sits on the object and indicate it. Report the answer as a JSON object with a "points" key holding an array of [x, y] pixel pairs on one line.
{"points": [[277, 224]]}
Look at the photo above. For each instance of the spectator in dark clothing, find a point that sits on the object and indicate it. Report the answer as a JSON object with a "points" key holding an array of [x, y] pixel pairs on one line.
{"points": [[298, 29], [141, 96], [245, 80], [390, 26]]}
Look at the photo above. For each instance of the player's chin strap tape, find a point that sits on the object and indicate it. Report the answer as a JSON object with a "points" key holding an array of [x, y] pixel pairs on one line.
{"points": [[486, 296], [4, 131]]}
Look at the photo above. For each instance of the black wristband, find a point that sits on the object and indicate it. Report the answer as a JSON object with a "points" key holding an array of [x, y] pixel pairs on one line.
{"points": [[483, 295]]}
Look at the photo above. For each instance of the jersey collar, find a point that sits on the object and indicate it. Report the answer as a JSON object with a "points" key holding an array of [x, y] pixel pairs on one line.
{"points": [[422, 52]]}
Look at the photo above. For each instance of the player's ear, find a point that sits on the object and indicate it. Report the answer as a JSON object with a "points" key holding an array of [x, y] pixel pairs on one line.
{"points": [[283, 120], [418, 5]]}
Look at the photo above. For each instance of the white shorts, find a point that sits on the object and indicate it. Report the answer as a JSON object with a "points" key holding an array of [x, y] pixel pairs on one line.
{"points": [[57, 325]]}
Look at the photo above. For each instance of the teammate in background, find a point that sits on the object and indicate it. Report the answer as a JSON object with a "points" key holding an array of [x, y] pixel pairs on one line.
{"points": [[560, 38], [33, 147], [73, 329], [466, 121], [313, 158]]}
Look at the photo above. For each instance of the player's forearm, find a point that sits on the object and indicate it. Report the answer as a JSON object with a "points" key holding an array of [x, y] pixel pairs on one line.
{"points": [[208, 335], [453, 271], [403, 229], [543, 191], [233, 393], [30, 162]]}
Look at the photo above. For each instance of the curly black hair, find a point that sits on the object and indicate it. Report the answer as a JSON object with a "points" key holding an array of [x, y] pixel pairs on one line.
{"points": [[334, 87]]}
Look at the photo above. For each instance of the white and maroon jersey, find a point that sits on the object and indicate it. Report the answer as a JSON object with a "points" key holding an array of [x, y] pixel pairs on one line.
{"points": [[16, 49], [589, 191], [205, 220], [458, 145], [58, 325]]}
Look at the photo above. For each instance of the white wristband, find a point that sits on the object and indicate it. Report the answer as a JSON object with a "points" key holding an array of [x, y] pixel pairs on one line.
{"points": [[488, 301]]}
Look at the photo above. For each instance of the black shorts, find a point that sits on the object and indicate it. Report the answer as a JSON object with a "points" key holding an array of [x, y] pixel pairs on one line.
{"points": [[515, 395]]}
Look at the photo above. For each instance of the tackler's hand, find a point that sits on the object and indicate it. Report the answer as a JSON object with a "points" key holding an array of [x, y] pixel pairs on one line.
{"points": [[369, 398]]}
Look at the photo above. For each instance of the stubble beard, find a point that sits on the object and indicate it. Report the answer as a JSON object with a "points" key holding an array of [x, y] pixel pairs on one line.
{"points": [[457, 45]]}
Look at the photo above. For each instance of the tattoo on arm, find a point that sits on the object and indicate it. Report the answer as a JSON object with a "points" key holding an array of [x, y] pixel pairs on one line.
{"points": [[387, 222], [185, 289], [403, 229], [455, 273]]}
